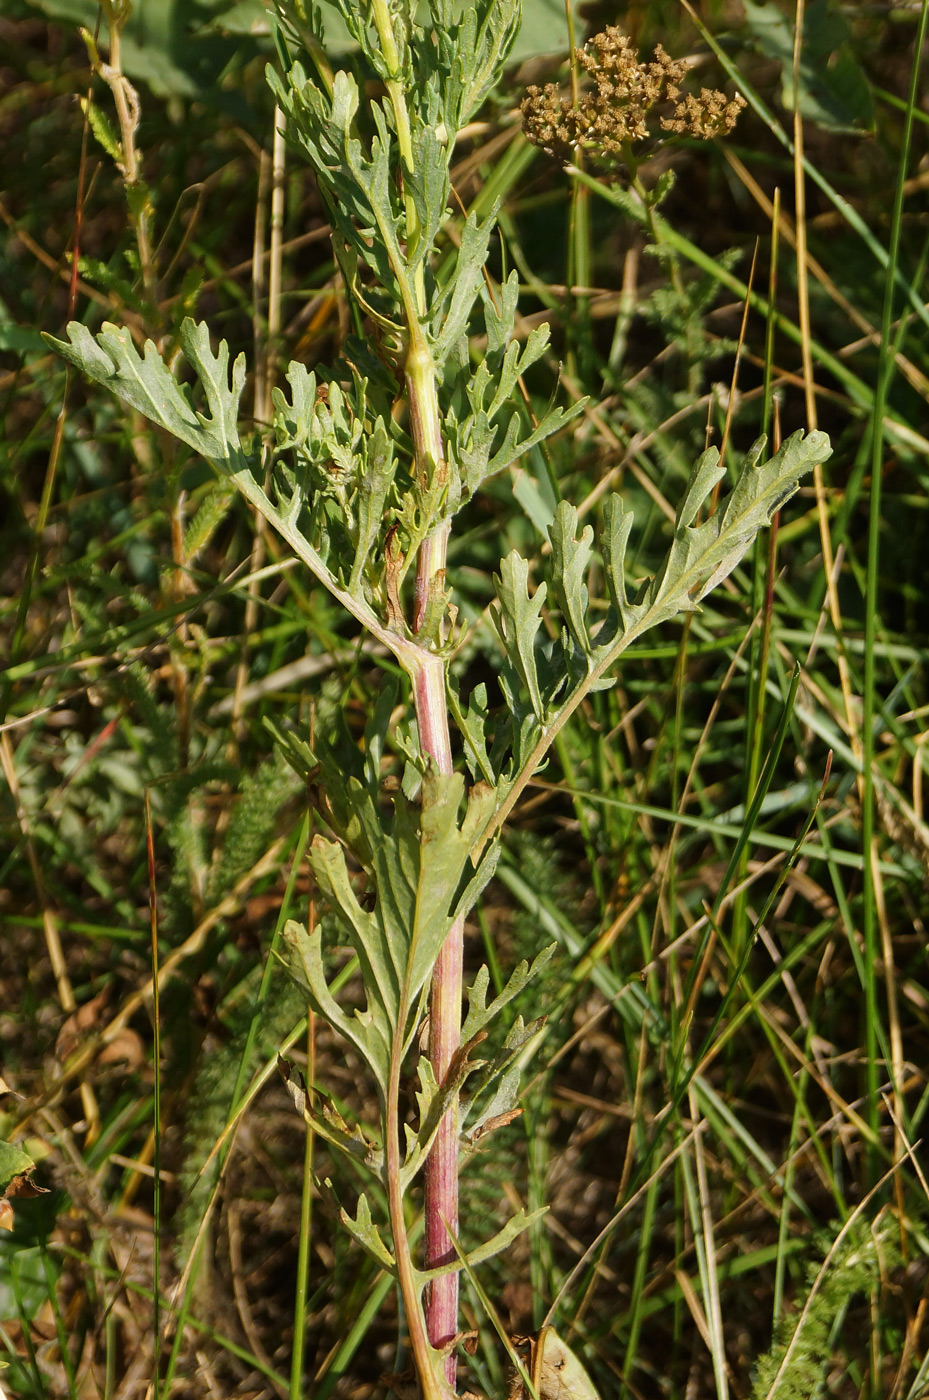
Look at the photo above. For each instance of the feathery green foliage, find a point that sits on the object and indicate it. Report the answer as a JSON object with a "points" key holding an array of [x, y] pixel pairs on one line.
{"points": [[854, 1261]]}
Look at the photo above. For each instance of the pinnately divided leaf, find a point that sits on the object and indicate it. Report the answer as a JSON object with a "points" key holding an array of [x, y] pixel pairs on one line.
{"points": [[363, 1229], [416, 859], [701, 556], [479, 1013], [472, 43], [517, 620], [323, 125], [570, 562], [325, 1119], [145, 382], [366, 1030]]}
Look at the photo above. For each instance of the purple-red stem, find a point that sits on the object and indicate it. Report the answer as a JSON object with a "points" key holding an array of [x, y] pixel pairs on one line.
{"points": [[442, 1167], [441, 1301]]}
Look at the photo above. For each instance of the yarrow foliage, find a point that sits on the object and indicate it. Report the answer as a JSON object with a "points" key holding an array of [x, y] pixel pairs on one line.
{"points": [[621, 103]]}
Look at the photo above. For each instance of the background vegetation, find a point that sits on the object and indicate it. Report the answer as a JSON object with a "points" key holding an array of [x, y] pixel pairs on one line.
{"points": [[721, 897]]}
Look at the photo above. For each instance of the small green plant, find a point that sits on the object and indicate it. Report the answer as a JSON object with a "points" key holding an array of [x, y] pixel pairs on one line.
{"points": [[855, 1259], [362, 472]]}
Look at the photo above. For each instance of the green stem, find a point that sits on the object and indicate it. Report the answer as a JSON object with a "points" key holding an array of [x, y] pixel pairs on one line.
{"points": [[303, 1249], [388, 42], [655, 228], [579, 348]]}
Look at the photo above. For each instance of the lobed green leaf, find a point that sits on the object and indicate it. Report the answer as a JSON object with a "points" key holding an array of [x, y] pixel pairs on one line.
{"points": [[363, 1230]]}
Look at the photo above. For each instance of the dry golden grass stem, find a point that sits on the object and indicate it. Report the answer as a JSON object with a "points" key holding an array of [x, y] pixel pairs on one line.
{"points": [[809, 383]]}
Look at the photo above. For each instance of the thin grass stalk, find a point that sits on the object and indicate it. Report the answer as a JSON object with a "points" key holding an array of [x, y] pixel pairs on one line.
{"points": [[636, 1319], [769, 318], [538, 1164], [705, 1241], [809, 388], [270, 962], [63, 1332], [301, 1289], [668, 890], [181, 1303], [577, 320], [566, 763], [156, 1089], [803, 295], [762, 577], [872, 886], [831, 587], [260, 339], [111, 1342], [784, 1214], [758, 677]]}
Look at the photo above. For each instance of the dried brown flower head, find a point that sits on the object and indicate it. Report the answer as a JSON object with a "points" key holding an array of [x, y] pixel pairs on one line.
{"points": [[616, 108]]}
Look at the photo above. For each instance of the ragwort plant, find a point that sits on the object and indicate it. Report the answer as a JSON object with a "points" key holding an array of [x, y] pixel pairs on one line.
{"points": [[363, 472]]}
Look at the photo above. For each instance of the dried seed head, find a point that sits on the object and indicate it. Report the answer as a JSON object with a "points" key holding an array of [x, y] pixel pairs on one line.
{"points": [[708, 115], [619, 96]]}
